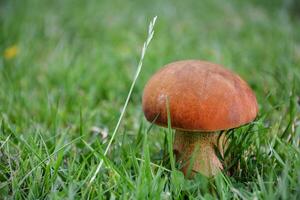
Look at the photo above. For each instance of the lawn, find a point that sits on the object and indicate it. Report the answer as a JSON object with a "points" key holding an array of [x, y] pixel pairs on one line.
{"points": [[66, 67]]}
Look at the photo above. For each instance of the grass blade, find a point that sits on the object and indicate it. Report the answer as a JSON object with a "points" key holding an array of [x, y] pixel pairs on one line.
{"points": [[146, 44]]}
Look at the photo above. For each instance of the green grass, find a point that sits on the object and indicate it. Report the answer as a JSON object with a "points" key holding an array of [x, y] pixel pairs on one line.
{"points": [[75, 63]]}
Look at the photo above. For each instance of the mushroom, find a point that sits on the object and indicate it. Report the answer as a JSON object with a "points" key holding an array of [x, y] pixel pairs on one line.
{"points": [[203, 99]]}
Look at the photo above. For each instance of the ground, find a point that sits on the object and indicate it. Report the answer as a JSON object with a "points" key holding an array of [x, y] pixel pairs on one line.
{"points": [[65, 71]]}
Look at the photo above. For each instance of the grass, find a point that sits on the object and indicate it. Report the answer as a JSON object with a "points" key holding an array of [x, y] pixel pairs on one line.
{"points": [[67, 66], [139, 68]]}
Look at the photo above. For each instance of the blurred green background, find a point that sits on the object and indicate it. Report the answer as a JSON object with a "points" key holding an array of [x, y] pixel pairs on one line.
{"points": [[66, 66]]}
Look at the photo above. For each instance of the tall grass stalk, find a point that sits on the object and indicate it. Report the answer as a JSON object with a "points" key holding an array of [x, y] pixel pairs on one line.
{"points": [[145, 46]]}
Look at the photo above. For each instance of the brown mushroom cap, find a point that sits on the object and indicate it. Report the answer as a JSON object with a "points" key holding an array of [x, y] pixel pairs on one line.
{"points": [[202, 96]]}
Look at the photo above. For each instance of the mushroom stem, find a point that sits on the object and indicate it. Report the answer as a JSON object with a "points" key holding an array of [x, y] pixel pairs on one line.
{"points": [[196, 152]]}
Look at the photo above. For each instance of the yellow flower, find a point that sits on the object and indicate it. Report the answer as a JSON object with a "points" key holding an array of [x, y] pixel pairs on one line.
{"points": [[11, 52]]}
